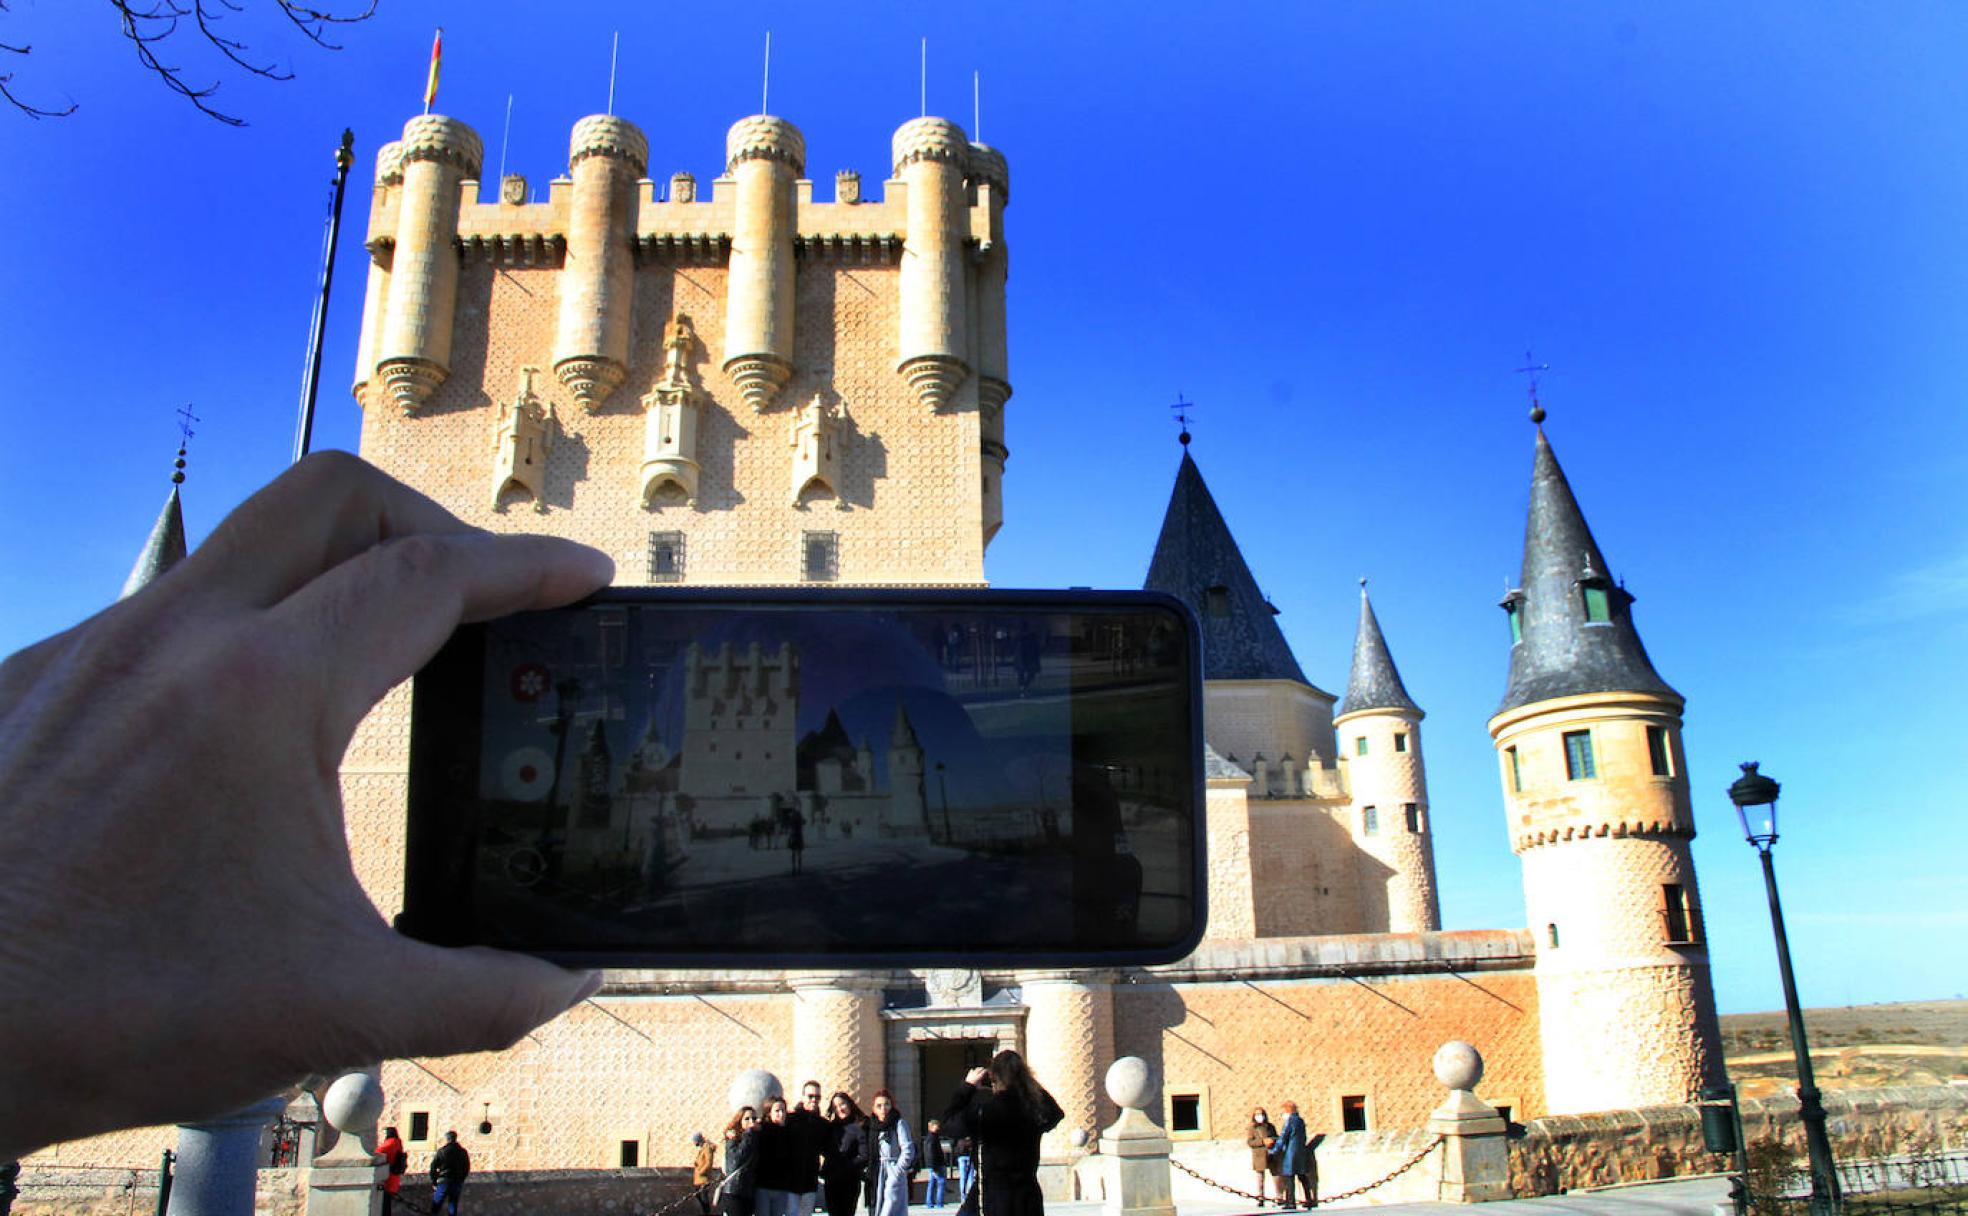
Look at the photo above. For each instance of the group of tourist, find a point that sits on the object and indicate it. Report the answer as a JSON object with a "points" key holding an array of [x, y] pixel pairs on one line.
{"points": [[1285, 1154], [786, 1160], [449, 1167]]}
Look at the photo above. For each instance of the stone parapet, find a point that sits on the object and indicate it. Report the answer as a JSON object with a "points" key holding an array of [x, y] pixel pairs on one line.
{"points": [[1354, 954], [607, 135], [434, 137], [987, 165], [933, 139], [763, 137], [389, 164]]}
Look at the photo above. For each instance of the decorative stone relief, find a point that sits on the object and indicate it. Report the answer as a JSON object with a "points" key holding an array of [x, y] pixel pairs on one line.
{"points": [[683, 188], [671, 409], [525, 438], [954, 988], [847, 187], [816, 438], [512, 190]]}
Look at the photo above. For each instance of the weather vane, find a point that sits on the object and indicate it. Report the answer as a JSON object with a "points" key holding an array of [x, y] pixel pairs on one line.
{"points": [[1530, 371], [1182, 409], [185, 419]]}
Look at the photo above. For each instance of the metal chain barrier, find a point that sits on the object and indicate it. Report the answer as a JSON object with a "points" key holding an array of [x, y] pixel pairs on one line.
{"points": [[1403, 1168]]}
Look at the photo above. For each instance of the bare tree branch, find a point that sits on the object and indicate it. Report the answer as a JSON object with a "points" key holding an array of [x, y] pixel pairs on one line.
{"points": [[146, 24]]}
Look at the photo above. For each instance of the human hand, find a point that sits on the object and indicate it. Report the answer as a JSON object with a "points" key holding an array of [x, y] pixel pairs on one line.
{"points": [[181, 930], [976, 1076]]}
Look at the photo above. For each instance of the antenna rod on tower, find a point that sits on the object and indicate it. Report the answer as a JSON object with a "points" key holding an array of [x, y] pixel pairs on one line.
{"points": [[311, 377], [925, 79], [976, 107], [613, 53], [765, 87], [503, 141]]}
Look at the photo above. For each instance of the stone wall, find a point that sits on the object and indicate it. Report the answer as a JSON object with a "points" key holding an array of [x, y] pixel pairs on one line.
{"points": [[1566, 1152]]}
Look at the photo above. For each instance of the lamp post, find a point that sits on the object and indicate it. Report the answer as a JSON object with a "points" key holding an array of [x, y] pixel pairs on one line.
{"points": [[1754, 791], [943, 783]]}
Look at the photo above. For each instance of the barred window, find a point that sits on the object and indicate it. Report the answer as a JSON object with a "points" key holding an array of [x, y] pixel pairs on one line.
{"points": [[666, 557], [1578, 756], [819, 556], [1657, 754]]}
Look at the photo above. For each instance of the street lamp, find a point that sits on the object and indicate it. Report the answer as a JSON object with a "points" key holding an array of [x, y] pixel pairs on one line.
{"points": [[943, 783], [1753, 792]]}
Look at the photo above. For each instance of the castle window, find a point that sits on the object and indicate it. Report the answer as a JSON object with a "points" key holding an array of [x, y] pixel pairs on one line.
{"points": [[420, 1126], [1185, 1112], [1598, 609], [1551, 935], [1360, 746], [1411, 813], [1516, 771], [819, 556], [631, 1154], [1578, 755], [1513, 607], [1216, 601], [1353, 1113], [666, 557], [1657, 751], [1369, 821], [1676, 916], [1400, 740]]}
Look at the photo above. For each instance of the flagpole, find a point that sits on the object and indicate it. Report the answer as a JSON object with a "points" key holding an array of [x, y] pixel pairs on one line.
{"points": [[613, 53], [311, 377], [765, 84]]}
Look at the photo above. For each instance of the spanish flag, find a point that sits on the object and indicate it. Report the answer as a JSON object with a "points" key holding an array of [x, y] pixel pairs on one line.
{"points": [[437, 57]]}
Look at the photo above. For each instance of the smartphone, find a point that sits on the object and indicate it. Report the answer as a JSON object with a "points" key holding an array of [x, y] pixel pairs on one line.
{"points": [[662, 777]]}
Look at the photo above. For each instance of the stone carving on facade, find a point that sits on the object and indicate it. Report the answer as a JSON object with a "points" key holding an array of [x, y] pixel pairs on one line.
{"points": [[512, 190], [815, 436], [954, 988], [683, 188], [525, 438], [847, 187], [671, 409]]}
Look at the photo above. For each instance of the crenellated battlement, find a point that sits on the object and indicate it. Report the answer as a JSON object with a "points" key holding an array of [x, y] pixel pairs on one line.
{"points": [[607, 135], [764, 137], [434, 137]]}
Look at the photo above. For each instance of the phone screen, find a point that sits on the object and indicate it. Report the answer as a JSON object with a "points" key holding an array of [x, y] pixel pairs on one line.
{"points": [[670, 778]]}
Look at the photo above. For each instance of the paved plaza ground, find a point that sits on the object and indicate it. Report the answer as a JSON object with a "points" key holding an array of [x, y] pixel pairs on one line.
{"points": [[1690, 1197]]}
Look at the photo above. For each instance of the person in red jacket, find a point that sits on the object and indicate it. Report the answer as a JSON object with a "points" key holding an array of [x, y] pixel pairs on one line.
{"points": [[390, 1152]]}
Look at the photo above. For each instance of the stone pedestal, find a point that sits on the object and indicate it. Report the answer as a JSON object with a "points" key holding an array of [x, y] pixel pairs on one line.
{"points": [[1475, 1160], [1137, 1151], [219, 1162], [344, 1180]]}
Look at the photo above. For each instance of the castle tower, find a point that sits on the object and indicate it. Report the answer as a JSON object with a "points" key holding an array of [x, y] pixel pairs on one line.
{"points": [[931, 158], [990, 182], [606, 157], [413, 353], [908, 804], [1596, 790], [165, 546], [1379, 729], [375, 298], [765, 157]]}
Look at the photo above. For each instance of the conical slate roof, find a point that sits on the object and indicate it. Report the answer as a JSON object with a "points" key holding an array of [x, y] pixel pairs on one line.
{"points": [[1195, 553], [1373, 683], [164, 549], [1561, 655], [903, 733]]}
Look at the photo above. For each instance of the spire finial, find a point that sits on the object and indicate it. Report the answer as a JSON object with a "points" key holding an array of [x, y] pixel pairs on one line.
{"points": [[185, 419], [1530, 370], [1182, 409], [1363, 584]]}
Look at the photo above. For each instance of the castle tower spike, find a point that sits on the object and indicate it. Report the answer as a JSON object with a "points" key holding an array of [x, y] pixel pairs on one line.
{"points": [[765, 157], [1379, 729], [989, 181], [165, 546], [375, 299], [607, 157], [1595, 787], [413, 357], [931, 158]]}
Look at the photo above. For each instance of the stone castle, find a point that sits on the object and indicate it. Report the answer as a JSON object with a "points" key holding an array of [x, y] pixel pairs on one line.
{"points": [[742, 385]]}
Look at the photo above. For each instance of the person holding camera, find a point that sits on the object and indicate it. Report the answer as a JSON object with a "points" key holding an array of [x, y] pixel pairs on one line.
{"points": [[1004, 1110]]}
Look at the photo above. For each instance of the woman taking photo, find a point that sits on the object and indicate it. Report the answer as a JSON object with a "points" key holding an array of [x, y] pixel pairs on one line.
{"points": [[844, 1156], [1004, 1110], [894, 1152], [740, 1149]]}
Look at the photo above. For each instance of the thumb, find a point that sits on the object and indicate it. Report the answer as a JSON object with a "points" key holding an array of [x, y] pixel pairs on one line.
{"points": [[472, 999]]}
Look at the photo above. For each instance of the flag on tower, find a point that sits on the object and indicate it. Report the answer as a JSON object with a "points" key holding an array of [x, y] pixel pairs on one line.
{"points": [[437, 56]]}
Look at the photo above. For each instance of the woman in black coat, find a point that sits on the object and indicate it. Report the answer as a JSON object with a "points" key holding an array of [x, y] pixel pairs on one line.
{"points": [[1004, 1110], [736, 1196], [844, 1156]]}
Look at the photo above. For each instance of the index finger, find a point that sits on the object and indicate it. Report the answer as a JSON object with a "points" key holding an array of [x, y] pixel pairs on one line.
{"points": [[326, 509]]}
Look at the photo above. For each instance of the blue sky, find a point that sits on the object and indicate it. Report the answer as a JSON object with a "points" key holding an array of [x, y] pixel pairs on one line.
{"points": [[1733, 231]]}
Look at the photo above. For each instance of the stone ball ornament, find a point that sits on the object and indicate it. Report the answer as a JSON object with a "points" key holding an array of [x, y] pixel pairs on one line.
{"points": [[1080, 1137], [754, 1088], [1130, 1082], [1458, 1065], [353, 1103]]}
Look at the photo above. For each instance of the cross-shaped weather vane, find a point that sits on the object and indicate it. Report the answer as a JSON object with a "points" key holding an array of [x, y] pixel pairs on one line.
{"points": [[1181, 409], [185, 419], [1531, 370]]}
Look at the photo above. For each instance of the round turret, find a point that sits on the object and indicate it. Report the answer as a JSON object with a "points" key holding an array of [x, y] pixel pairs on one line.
{"points": [[932, 156], [990, 178], [375, 299], [606, 158], [437, 155], [987, 165], [764, 156], [389, 164]]}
